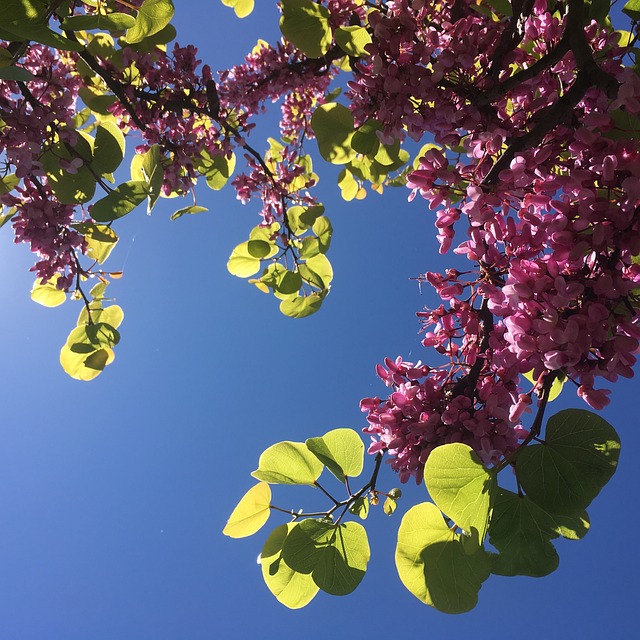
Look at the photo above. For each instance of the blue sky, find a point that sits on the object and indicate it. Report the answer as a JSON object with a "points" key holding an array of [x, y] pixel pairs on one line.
{"points": [[113, 494]]}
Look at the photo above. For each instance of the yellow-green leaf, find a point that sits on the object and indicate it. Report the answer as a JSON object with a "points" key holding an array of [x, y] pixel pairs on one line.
{"points": [[251, 513], [288, 463], [47, 294]]}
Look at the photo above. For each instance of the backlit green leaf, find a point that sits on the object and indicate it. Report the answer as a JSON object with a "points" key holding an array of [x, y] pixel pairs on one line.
{"points": [[109, 148], [336, 556], [573, 527], [217, 169], [434, 565], [75, 187], [251, 513], [242, 8], [153, 16], [577, 459], [20, 31], [301, 306], [8, 183], [301, 219], [389, 506], [82, 362], [121, 201], [461, 487], [6, 217], [104, 22], [360, 508], [111, 315], [47, 294], [306, 25], [632, 9], [341, 451], [353, 40], [324, 231], [188, 211], [333, 126], [521, 531], [100, 239], [556, 386], [317, 271], [241, 263], [288, 463], [293, 589], [15, 73]]}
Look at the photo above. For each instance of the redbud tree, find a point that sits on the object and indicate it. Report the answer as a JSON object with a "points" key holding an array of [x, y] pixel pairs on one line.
{"points": [[513, 124]]}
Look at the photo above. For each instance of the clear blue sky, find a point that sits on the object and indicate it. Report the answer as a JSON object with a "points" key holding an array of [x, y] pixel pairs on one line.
{"points": [[113, 494]]}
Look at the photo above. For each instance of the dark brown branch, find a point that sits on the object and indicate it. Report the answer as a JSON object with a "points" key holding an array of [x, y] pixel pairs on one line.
{"points": [[544, 121]]}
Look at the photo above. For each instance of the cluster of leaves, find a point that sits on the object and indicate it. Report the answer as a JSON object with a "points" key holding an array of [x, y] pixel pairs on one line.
{"points": [[446, 548], [315, 551]]}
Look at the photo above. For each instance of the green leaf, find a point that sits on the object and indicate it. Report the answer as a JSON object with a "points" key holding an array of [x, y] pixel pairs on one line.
{"points": [[188, 211], [389, 506], [294, 590], [501, 6], [251, 513], [317, 271], [241, 263], [82, 362], [579, 456], [104, 22], [521, 531], [70, 188], [217, 169], [627, 125], [111, 315], [16, 73], [632, 9], [333, 126], [27, 10], [20, 31], [323, 230], [259, 248], [288, 463], [301, 306], [573, 527], [147, 167], [101, 335], [47, 294], [9, 183], [461, 487], [301, 219], [360, 508], [287, 282], [434, 565], [121, 201], [341, 451], [599, 10], [353, 40], [109, 149], [98, 102], [349, 186], [6, 217], [365, 139], [100, 239], [242, 8], [306, 25], [556, 386], [153, 16], [336, 556]]}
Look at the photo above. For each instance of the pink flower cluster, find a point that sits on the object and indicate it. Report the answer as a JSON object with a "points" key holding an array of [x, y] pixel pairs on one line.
{"points": [[172, 107], [553, 231], [33, 113]]}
